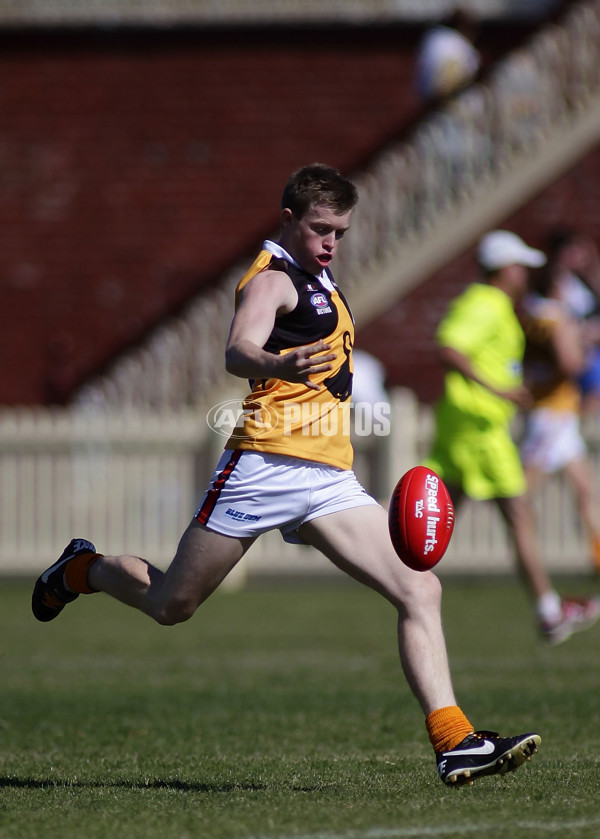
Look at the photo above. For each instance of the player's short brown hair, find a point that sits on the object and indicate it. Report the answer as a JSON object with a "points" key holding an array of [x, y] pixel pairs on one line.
{"points": [[318, 185]]}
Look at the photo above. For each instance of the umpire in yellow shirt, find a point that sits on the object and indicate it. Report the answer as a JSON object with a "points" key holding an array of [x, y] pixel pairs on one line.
{"points": [[481, 345]]}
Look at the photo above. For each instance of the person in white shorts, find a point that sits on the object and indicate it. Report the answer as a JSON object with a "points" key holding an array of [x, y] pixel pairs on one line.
{"points": [[288, 465], [552, 441]]}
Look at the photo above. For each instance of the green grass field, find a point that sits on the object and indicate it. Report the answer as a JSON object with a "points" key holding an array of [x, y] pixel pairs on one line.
{"points": [[282, 712]]}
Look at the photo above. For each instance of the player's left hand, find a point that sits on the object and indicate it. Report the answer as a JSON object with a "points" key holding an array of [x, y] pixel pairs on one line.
{"points": [[302, 363]]}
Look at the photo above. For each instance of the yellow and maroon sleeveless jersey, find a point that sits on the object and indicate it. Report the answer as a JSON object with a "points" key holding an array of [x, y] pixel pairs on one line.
{"points": [[549, 387], [289, 418]]}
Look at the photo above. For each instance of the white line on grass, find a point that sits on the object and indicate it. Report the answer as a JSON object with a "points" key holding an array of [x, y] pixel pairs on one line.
{"points": [[441, 830]]}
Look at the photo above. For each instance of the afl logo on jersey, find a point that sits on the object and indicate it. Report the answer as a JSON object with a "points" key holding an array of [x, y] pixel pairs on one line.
{"points": [[320, 302]]}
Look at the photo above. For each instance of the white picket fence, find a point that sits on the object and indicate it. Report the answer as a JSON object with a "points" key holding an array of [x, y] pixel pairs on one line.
{"points": [[130, 482]]}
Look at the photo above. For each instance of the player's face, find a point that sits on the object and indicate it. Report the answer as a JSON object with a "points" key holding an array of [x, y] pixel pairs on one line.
{"points": [[575, 256], [313, 239], [518, 276]]}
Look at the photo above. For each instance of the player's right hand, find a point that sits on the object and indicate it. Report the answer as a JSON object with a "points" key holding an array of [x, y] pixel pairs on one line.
{"points": [[519, 396]]}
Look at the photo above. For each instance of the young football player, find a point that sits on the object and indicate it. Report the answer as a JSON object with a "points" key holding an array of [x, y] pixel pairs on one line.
{"points": [[289, 466]]}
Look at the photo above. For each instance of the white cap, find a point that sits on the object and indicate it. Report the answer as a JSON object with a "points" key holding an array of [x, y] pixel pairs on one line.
{"points": [[501, 248]]}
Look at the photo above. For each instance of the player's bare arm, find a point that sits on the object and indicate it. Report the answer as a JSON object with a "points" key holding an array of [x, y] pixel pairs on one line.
{"points": [[266, 296], [568, 346], [454, 360]]}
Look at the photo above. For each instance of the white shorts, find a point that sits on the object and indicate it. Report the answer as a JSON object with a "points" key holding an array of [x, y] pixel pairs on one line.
{"points": [[253, 492], [552, 440]]}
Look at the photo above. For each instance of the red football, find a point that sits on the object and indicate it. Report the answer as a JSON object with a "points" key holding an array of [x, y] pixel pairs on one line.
{"points": [[421, 518]]}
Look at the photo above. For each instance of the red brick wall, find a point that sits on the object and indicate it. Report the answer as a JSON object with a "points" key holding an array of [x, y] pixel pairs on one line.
{"points": [[136, 167], [404, 337]]}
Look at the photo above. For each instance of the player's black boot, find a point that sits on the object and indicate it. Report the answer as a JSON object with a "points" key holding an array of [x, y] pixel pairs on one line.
{"points": [[50, 595], [485, 753]]}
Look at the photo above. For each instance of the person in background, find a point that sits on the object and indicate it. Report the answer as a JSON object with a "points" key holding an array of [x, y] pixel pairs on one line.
{"points": [[447, 59], [369, 378], [481, 345], [554, 361], [372, 414], [575, 264]]}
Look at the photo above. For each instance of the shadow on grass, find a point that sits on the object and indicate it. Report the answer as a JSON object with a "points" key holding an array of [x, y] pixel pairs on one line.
{"points": [[183, 786]]}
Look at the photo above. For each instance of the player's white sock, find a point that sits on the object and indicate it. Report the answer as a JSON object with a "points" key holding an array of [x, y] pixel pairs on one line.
{"points": [[549, 608]]}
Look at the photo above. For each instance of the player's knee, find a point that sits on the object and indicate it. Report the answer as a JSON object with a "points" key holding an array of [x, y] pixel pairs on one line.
{"points": [[423, 591], [431, 589], [174, 612]]}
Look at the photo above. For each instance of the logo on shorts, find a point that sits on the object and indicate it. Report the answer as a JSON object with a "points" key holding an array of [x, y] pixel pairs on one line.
{"points": [[239, 515], [242, 420]]}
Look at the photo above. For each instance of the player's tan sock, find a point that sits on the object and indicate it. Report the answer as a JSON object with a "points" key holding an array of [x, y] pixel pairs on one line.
{"points": [[447, 727], [76, 571]]}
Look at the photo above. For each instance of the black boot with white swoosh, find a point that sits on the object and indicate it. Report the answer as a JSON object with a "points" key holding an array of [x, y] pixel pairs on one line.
{"points": [[50, 594], [485, 753]]}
